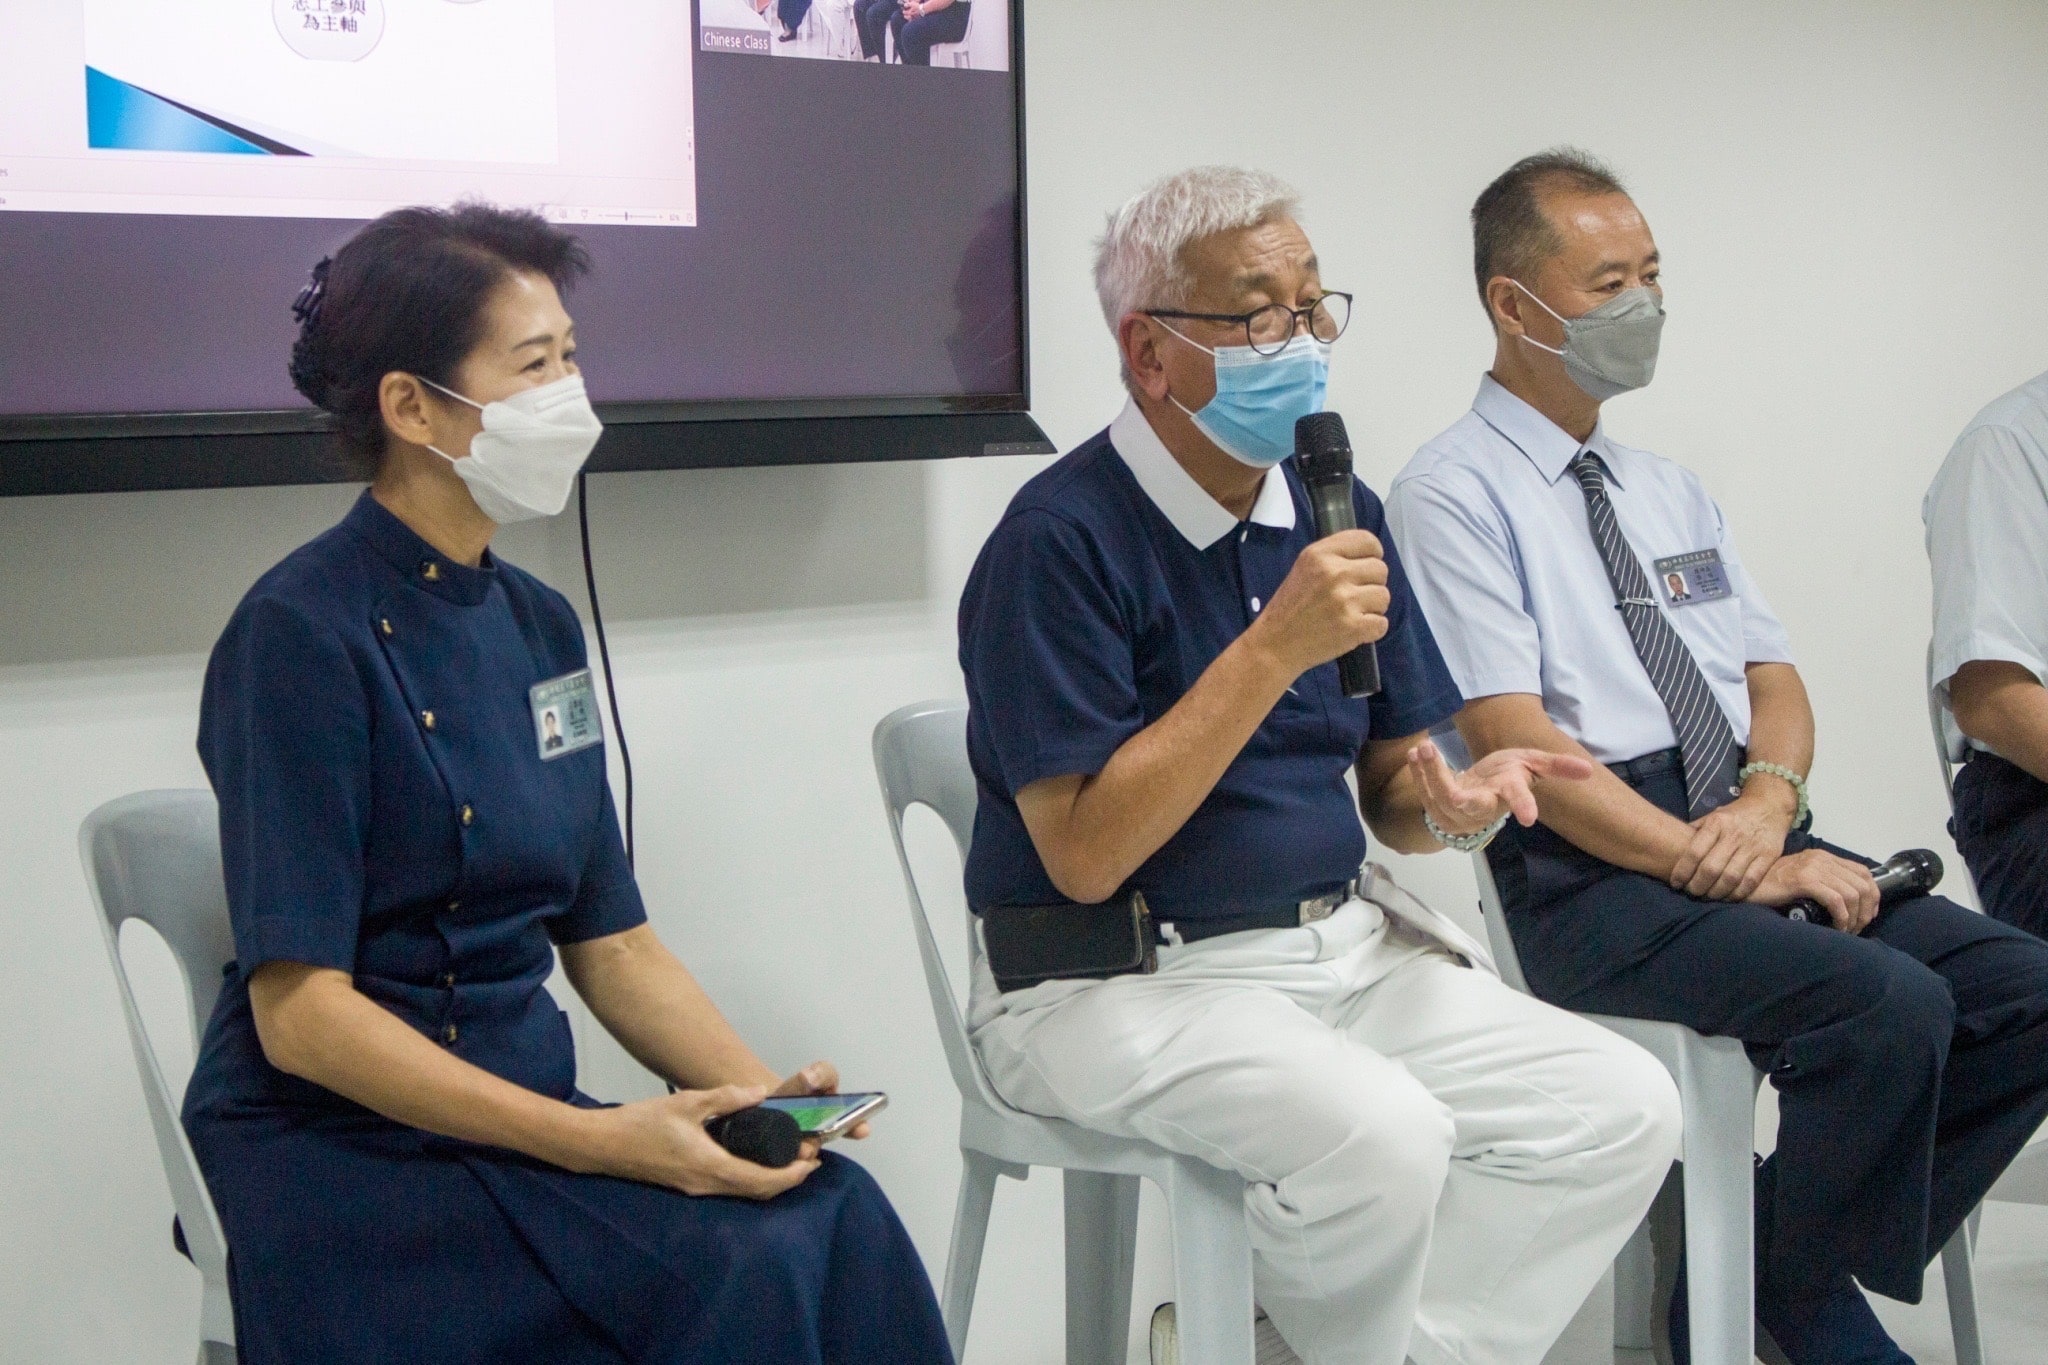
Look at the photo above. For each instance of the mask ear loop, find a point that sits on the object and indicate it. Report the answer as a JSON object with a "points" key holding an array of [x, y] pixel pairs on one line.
{"points": [[1562, 319], [442, 388], [458, 398], [1176, 332]]}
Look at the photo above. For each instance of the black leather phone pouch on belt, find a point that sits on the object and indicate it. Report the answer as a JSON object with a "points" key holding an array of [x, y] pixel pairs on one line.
{"points": [[1027, 944]]}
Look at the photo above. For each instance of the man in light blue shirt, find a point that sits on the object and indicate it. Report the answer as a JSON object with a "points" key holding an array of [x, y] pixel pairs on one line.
{"points": [[1987, 535], [1499, 476], [1589, 599]]}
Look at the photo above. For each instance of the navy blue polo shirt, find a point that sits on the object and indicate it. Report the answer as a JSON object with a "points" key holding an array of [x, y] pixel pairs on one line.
{"points": [[1112, 582]]}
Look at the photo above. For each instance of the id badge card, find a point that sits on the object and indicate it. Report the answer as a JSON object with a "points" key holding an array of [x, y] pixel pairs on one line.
{"points": [[1688, 580], [565, 716]]}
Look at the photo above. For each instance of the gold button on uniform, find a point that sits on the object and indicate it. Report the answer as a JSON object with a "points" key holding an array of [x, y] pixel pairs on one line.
{"points": [[385, 625], [430, 571], [448, 979], [454, 905], [427, 719], [468, 816], [448, 1035]]}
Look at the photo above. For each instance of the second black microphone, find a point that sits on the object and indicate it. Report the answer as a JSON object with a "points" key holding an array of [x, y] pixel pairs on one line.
{"points": [[1322, 454]]}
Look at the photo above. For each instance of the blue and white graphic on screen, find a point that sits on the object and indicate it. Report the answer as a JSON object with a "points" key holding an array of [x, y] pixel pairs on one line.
{"points": [[403, 80]]}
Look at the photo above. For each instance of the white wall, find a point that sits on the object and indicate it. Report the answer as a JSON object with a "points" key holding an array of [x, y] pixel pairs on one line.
{"points": [[1849, 203]]}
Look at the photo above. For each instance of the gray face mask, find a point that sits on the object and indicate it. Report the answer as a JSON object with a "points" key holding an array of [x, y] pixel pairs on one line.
{"points": [[1611, 349]]}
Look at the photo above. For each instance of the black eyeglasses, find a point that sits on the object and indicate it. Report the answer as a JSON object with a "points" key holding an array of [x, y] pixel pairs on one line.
{"points": [[1268, 330]]}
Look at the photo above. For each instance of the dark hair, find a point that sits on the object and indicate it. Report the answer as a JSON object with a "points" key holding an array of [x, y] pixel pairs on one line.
{"points": [[1510, 234], [408, 293]]}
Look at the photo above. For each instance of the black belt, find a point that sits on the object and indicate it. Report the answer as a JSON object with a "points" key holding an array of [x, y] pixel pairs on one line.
{"points": [[1637, 771], [1236, 919]]}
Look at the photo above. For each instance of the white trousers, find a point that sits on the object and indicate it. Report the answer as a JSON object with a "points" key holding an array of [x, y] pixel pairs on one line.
{"points": [[1438, 1166]]}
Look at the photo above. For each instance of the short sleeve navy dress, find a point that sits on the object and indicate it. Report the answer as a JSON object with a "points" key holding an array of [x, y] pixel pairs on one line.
{"points": [[386, 809]]}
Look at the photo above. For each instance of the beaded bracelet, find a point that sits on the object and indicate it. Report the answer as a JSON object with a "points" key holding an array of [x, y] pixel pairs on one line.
{"points": [[1464, 843], [1780, 770]]}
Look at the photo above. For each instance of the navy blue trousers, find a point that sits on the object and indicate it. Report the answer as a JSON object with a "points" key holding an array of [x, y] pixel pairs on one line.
{"points": [[2001, 826], [871, 18], [1911, 1062], [915, 38], [792, 13]]}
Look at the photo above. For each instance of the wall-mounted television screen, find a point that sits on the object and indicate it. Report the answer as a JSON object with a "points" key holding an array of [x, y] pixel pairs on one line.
{"points": [[806, 215]]}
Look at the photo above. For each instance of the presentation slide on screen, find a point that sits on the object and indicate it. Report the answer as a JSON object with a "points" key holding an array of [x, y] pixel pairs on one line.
{"points": [[348, 108], [171, 169]]}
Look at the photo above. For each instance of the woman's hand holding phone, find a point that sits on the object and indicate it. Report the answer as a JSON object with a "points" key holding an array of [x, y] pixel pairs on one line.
{"points": [[819, 1078], [662, 1142]]}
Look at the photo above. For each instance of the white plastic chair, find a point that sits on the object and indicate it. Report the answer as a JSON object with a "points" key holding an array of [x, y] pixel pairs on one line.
{"points": [[1717, 1095], [962, 52], [841, 40], [155, 856], [2025, 1181], [921, 759], [1946, 755], [827, 31]]}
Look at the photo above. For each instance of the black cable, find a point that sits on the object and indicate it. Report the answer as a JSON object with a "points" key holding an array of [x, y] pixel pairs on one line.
{"points": [[604, 653]]}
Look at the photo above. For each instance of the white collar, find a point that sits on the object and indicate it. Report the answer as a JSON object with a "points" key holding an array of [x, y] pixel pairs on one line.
{"points": [[1198, 517]]}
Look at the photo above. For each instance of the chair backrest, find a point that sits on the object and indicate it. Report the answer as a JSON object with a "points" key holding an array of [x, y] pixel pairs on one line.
{"points": [[2025, 1180], [1496, 920], [921, 760], [155, 856], [1947, 745], [1948, 751]]}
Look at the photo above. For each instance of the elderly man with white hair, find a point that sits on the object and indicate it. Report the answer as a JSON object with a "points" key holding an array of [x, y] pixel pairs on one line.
{"points": [[1437, 1167]]}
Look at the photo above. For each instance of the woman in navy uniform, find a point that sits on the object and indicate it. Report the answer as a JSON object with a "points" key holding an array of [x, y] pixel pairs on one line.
{"points": [[385, 1104]]}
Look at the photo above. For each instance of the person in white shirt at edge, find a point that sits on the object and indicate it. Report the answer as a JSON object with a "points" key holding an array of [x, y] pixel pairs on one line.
{"points": [[1910, 1053], [1439, 1167], [1987, 535]]}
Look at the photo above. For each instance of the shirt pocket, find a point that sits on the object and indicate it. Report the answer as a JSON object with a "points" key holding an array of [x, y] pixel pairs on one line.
{"points": [[1313, 716], [1713, 631]]}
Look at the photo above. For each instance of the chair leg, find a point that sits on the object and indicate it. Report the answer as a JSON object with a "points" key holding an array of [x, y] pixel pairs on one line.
{"points": [[1102, 1247], [1212, 1265], [1635, 1292], [1961, 1282], [978, 1174], [216, 1321], [1720, 1232]]}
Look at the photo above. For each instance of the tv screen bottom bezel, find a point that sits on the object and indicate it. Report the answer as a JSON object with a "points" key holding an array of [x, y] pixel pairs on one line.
{"points": [[107, 462]]}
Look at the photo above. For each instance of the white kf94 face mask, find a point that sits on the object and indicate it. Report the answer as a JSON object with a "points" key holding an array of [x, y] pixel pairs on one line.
{"points": [[525, 460]]}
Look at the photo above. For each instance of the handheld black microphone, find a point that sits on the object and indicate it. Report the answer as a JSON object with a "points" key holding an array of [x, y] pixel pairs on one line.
{"points": [[767, 1137], [1322, 453], [1903, 876]]}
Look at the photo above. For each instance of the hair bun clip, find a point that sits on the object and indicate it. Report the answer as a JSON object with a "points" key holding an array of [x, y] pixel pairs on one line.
{"points": [[306, 307]]}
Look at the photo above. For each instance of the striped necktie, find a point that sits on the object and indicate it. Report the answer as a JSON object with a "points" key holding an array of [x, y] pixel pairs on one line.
{"points": [[1705, 738]]}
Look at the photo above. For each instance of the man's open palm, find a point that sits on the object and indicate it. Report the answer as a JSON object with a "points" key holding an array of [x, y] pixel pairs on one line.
{"points": [[1501, 783]]}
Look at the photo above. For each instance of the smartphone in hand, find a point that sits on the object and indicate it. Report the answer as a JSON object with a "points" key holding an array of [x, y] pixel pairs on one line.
{"points": [[826, 1117]]}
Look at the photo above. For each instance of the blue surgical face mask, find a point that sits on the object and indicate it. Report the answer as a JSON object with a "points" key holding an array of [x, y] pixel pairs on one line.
{"points": [[1260, 397]]}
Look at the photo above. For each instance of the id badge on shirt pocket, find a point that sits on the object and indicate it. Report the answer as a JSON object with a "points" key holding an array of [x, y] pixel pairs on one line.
{"points": [[565, 716], [1688, 580]]}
